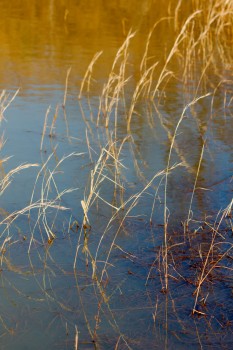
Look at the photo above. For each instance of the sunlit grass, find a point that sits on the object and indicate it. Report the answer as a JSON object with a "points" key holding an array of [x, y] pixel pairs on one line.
{"points": [[202, 39]]}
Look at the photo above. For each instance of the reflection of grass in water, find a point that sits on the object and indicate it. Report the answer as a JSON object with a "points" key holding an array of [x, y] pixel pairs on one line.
{"points": [[113, 92], [189, 261]]}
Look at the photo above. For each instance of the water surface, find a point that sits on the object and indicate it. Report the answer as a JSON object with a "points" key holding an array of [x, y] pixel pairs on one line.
{"points": [[44, 300]]}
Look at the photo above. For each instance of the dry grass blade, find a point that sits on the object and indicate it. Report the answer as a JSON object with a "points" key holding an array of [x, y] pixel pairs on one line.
{"points": [[44, 127], [2, 142], [174, 49], [195, 184], [44, 203], [5, 100], [66, 87], [88, 74], [5, 182], [114, 87], [76, 338], [144, 84], [193, 102]]}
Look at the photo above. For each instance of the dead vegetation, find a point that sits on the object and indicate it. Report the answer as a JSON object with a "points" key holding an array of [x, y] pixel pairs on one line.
{"points": [[201, 252]]}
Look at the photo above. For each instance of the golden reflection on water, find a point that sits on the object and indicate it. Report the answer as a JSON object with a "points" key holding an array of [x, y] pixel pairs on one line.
{"points": [[41, 39]]}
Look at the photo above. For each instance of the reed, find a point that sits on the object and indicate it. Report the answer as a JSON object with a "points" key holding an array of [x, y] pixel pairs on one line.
{"points": [[193, 44], [44, 127], [107, 186], [211, 260], [113, 89], [88, 75], [189, 43], [5, 100], [66, 87]]}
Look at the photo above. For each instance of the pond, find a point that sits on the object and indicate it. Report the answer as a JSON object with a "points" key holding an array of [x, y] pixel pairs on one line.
{"points": [[116, 174]]}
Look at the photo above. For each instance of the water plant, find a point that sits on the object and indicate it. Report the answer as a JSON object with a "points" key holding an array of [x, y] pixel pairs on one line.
{"points": [[122, 238]]}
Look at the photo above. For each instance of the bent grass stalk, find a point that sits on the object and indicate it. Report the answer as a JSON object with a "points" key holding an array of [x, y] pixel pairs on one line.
{"points": [[181, 36], [165, 249], [5, 100], [48, 182], [88, 74], [143, 65], [130, 203], [115, 83], [143, 84], [7, 179]]}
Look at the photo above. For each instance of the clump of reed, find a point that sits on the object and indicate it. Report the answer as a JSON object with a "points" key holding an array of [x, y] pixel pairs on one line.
{"points": [[208, 39], [5, 100], [196, 38], [45, 181], [202, 38]]}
